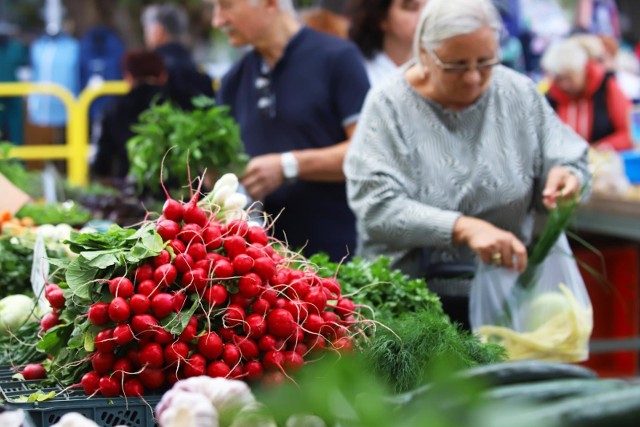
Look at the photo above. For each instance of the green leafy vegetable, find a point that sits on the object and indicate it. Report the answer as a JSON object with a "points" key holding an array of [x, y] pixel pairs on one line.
{"points": [[55, 213], [15, 267]]}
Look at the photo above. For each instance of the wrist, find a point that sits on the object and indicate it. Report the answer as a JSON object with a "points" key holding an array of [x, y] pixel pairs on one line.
{"points": [[462, 229], [290, 166]]}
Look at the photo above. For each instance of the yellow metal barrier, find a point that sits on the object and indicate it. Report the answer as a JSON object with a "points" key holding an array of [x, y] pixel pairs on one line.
{"points": [[76, 149]]}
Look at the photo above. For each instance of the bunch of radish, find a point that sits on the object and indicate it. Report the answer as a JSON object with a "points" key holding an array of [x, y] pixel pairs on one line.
{"points": [[245, 311]]}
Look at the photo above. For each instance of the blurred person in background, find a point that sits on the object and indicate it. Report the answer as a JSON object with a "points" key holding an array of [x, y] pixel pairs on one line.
{"points": [[297, 97], [326, 16], [453, 156], [383, 30], [165, 30], [586, 96], [146, 74]]}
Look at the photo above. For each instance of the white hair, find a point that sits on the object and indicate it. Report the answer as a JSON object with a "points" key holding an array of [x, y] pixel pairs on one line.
{"points": [[564, 55], [443, 19]]}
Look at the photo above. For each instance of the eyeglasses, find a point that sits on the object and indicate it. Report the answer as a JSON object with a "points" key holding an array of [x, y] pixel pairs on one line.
{"points": [[266, 98], [463, 68]]}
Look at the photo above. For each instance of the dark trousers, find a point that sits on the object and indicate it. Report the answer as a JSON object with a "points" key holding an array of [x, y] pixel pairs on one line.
{"points": [[457, 308]]}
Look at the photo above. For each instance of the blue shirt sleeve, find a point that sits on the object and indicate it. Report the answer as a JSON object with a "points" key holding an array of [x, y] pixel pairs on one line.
{"points": [[350, 84]]}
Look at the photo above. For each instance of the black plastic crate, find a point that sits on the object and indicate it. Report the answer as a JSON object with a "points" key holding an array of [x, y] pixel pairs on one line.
{"points": [[106, 412]]}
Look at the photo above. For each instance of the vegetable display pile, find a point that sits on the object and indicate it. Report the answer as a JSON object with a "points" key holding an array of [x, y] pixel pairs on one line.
{"points": [[196, 292]]}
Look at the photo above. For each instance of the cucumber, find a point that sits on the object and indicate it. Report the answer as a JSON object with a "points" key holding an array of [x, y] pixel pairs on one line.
{"points": [[617, 408], [551, 391], [523, 371]]}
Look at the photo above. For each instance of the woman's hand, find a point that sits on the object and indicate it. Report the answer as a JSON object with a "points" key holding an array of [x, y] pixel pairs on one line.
{"points": [[493, 245], [560, 184]]}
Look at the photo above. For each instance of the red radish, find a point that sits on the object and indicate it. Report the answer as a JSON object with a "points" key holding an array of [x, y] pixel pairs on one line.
{"points": [[248, 348], [316, 300], [231, 354], [223, 269], [255, 326], [98, 313], [122, 334], [206, 264], [249, 285], [281, 302], [48, 321], [151, 355], [315, 342], [269, 251], [313, 324], [197, 250], [119, 310], [237, 372], [254, 370], [90, 382], [177, 246], [183, 262], [212, 237], [298, 335], [301, 349], [257, 235], [227, 334], [173, 377], [122, 369], [55, 296], [270, 295], [215, 295], [260, 306], [109, 387], [165, 275], [233, 316], [330, 318], [152, 378], [333, 286], [188, 334], [34, 371], [139, 303], [267, 343], [298, 289], [134, 356], [242, 264], [102, 363], [255, 252], [163, 337], [344, 307], [143, 272], [218, 370], [141, 323], [277, 258], [273, 379], [168, 229], [172, 209], [163, 258], [234, 245], [280, 323], [132, 388], [238, 226], [293, 361], [176, 352], [162, 305], [196, 366], [298, 309], [193, 214], [273, 360], [120, 287], [195, 280], [179, 298], [238, 299], [215, 257], [210, 345], [191, 233], [343, 344], [148, 287], [104, 341], [265, 267]]}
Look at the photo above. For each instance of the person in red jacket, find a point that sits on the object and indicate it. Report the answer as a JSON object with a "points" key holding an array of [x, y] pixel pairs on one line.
{"points": [[587, 97]]}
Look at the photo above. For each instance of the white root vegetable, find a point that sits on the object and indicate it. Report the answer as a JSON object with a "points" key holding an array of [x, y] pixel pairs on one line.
{"points": [[179, 408], [227, 180], [236, 201], [74, 419]]}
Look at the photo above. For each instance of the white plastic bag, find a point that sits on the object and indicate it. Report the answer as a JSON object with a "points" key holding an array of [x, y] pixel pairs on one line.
{"points": [[551, 319]]}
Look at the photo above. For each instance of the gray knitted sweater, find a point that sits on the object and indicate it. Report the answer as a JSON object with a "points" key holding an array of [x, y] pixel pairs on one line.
{"points": [[414, 167]]}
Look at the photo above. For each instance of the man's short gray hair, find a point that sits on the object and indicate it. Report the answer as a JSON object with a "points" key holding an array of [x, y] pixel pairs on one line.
{"points": [[173, 19], [564, 55], [443, 19]]}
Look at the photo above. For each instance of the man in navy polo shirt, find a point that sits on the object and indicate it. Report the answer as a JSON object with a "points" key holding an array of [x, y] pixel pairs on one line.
{"points": [[296, 96]]}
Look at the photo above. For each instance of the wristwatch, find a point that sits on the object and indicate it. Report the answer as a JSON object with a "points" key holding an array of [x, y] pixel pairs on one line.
{"points": [[289, 166]]}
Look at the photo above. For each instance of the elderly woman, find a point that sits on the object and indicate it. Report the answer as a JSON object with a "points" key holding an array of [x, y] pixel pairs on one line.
{"points": [[383, 30], [451, 157], [586, 96]]}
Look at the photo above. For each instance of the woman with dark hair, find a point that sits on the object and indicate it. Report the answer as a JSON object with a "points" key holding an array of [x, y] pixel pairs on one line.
{"points": [[383, 30]]}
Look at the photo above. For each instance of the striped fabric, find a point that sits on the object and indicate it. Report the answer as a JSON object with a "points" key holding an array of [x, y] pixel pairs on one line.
{"points": [[414, 167]]}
